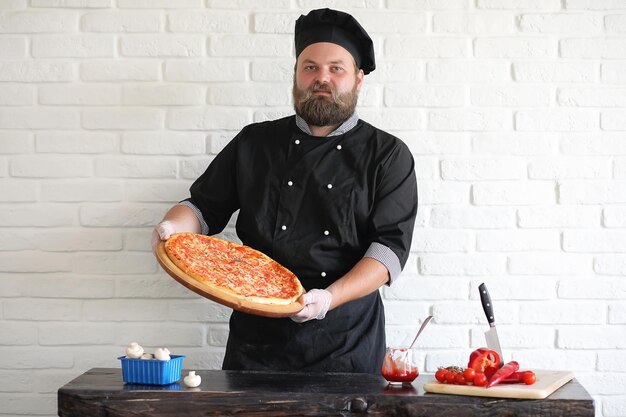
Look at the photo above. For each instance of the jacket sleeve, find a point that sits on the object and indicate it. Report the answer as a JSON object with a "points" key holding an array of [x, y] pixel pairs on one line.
{"points": [[395, 203], [214, 193]]}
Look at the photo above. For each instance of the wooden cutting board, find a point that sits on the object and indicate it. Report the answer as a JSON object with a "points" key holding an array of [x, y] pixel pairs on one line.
{"points": [[221, 297], [547, 382]]}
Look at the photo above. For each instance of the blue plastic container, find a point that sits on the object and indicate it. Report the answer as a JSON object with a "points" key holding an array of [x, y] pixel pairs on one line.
{"points": [[152, 371]]}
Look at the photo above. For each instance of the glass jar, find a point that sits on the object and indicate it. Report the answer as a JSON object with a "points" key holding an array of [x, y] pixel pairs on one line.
{"points": [[400, 366]]}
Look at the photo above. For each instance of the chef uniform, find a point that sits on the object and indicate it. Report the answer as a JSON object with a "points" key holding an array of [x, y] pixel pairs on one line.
{"points": [[317, 205]]}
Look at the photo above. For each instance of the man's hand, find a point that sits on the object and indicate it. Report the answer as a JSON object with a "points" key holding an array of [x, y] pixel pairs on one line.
{"points": [[316, 304], [162, 231], [179, 219]]}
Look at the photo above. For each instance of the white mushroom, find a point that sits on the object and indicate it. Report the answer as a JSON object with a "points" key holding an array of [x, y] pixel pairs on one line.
{"points": [[192, 380], [134, 350], [162, 354]]}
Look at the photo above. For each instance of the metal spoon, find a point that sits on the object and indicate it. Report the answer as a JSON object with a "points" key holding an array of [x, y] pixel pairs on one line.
{"points": [[420, 330]]}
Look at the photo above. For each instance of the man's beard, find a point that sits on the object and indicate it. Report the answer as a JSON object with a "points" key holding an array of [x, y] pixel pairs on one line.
{"points": [[323, 110]]}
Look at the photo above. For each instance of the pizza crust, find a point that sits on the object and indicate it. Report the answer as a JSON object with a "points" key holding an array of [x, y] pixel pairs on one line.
{"points": [[260, 305]]}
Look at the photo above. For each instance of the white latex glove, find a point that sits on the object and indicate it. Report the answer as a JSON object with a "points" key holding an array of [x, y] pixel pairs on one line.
{"points": [[162, 231], [316, 304]]}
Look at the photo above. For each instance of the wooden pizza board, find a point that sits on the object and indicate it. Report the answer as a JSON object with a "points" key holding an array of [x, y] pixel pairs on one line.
{"points": [[221, 297], [547, 382]]}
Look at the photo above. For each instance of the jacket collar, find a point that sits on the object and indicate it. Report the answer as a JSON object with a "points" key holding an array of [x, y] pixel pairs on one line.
{"points": [[347, 125]]}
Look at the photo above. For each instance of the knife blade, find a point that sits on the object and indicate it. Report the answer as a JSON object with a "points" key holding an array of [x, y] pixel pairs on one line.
{"points": [[491, 335]]}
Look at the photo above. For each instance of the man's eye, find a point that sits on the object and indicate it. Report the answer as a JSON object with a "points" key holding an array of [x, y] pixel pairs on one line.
{"points": [[337, 69]]}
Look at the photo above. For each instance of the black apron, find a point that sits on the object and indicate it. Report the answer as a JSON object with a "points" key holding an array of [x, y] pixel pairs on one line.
{"points": [[315, 205], [350, 339]]}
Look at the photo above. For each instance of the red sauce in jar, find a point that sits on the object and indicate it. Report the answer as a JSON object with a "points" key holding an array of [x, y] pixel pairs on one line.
{"points": [[398, 366], [400, 375]]}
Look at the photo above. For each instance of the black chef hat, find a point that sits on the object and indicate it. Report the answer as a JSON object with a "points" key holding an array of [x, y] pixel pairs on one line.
{"points": [[327, 25]]}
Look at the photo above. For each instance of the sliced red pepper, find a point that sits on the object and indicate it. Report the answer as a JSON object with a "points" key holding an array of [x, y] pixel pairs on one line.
{"points": [[482, 358], [516, 377], [503, 373], [489, 371]]}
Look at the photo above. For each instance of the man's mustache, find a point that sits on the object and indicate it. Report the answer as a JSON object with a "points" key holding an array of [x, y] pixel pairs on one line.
{"points": [[308, 93], [322, 87]]}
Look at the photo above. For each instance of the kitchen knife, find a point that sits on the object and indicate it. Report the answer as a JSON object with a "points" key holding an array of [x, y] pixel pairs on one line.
{"points": [[491, 335]]}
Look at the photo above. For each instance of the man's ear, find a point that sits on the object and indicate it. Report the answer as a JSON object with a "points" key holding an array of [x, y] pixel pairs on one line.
{"points": [[359, 79]]}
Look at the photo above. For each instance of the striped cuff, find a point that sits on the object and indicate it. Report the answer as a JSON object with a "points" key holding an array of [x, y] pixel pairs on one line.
{"points": [[385, 256], [204, 228]]}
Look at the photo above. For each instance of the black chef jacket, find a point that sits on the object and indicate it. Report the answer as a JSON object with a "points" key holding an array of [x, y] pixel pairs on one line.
{"points": [[314, 204]]}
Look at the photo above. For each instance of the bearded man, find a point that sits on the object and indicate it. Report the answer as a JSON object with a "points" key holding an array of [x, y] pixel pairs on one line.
{"points": [[322, 192]]}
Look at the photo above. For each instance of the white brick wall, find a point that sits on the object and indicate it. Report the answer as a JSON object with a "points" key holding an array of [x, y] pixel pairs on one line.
{"points": [[515, 111]]}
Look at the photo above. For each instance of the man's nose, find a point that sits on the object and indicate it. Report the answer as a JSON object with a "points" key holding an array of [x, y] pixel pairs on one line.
{"points": [[323, 76]]}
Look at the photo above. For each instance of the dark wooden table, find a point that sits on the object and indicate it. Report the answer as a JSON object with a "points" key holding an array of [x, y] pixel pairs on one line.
{"points": [[101, 392]]}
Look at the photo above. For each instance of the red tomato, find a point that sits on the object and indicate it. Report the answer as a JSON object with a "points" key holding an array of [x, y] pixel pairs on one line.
{"points": [[440, 375], [529, 378], [480, 380], [460, 379], [451, 377], [469, 374]]}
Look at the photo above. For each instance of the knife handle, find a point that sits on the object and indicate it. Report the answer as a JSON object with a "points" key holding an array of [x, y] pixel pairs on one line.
{"points": [[485, 299]]}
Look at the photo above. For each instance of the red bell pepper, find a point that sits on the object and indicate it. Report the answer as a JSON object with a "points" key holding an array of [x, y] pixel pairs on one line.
{"points": [[503, 373], [489, 371], [482, 358]]}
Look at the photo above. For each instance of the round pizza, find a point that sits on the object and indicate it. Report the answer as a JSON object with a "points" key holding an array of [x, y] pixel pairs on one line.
{"points": [[234, 274]]}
